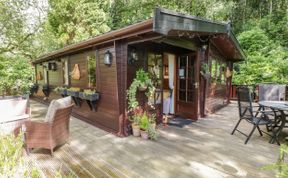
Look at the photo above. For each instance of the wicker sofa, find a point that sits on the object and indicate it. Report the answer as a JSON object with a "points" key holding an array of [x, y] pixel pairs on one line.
{"points": [[14, 112]]}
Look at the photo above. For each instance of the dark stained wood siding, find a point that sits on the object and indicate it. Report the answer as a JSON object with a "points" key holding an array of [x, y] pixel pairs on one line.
{"points": [[107, 115], [121, 61], [81, 60], [39, 68], [56, 77], [216, 96]]}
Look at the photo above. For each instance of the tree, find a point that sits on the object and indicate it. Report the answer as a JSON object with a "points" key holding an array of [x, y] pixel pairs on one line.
{"points": [[72, 21], [16, 29]]}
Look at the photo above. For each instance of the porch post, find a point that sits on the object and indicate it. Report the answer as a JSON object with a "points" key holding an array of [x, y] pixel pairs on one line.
{"points": [[204, 53]]}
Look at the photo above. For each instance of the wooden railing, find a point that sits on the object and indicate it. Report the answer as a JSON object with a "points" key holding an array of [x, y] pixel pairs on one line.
{"points": [[233, 94]]}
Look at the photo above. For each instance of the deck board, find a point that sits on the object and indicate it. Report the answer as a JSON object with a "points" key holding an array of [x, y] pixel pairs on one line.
{"points": [[202, 149]]}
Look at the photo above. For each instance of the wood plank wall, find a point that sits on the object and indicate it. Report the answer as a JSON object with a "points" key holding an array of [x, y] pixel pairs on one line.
{"points": [[81, 60], [107, 114], [56, 77], [216, 94]]}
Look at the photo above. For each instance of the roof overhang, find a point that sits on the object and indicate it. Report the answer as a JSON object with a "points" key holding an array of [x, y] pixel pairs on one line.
{"points": [[126, 32], [168, 22], [164, 23]]}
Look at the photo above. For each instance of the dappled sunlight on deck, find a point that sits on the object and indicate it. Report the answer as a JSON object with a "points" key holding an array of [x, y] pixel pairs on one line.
{"points": [[200, 149]]}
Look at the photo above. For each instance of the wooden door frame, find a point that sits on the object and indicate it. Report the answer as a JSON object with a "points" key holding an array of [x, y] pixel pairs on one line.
{"points": [[196, 73]]}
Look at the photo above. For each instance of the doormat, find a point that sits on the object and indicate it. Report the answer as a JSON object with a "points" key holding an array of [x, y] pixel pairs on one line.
{"points": [[179, 122]]}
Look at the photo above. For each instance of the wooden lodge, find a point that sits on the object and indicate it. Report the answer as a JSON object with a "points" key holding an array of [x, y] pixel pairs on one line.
{"points": [[189, 59]]}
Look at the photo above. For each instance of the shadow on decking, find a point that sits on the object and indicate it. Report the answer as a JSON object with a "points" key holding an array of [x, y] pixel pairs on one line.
{"points": [[200, 149]]}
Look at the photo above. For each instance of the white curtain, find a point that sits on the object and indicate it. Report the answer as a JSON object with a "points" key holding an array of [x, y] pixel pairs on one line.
{"points": [[171, 62]]}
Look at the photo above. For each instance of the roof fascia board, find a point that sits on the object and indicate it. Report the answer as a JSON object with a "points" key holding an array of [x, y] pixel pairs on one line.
{"points": [[165, 20]]}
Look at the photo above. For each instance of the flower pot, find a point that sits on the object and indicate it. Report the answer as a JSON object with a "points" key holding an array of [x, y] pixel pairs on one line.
{"points": [[89, 97], [73, 93], [136, 130], [144, 134]]}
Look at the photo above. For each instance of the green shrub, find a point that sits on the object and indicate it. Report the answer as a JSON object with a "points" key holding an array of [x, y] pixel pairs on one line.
{"points": [[281, 166], [10, 154]]}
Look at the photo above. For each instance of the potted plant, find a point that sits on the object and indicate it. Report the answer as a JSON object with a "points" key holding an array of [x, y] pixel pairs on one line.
{"points": [[205, 72], [144, 124], [152, 132], [89, 94], [61, 90], [152, 121], [143, 78], [135, 119], [34, 88], [73, 91]]}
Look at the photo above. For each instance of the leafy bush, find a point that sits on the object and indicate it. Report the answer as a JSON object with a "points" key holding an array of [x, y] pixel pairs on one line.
{"points": [[281, 166], [266, 59], [10, 154], [144, 122], [16, 76]]}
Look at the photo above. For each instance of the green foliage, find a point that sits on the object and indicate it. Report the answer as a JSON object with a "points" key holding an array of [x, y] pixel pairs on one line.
{"points": [[142, 79], [265, 59], [16, 76], [281, 166], [152, 132], [59, 89], [72, 21], [144, 121], [10, 153], [75, 89]]}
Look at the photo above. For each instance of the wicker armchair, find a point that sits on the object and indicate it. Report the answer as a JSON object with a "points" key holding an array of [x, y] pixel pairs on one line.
{"points": [[49, 135]]}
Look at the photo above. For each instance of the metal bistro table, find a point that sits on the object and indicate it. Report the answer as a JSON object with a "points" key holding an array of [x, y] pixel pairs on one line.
{"points": [[280, 106]]}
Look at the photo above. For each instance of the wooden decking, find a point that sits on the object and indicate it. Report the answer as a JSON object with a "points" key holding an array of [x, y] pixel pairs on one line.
{"points": [[202, 149]]}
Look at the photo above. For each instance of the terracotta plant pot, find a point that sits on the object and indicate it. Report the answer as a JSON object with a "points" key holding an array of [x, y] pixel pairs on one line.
{"points": [[136, 130], [144, 134]]}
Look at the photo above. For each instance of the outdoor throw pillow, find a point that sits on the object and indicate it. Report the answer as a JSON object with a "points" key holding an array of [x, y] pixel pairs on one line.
{"points": [[56, 104]]}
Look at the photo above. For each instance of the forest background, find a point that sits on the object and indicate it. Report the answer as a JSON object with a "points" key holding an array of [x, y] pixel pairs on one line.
{"points": [[31, 28]]}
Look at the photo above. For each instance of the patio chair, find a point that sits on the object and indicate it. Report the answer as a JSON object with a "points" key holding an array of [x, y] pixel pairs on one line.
{"points": [[54, 131], [246, 113]]}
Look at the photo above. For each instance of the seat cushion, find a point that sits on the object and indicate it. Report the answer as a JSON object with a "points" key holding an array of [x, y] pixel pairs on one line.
{"points": [[12, 107], [54, 105]]}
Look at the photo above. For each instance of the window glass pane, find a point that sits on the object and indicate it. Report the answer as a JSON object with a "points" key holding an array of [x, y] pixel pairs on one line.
{"points": [[91, 62], [190, 96], [182, 95], [155, 70]]}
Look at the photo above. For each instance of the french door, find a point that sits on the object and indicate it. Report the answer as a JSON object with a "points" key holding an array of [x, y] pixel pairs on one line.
{"points": [[187, 87]]}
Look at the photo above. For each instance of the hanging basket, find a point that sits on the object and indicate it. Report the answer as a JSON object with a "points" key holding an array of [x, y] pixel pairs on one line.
{"points": [[76, 72], [142, 87]]}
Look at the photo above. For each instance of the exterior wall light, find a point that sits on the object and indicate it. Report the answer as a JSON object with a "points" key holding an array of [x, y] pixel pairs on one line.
{"points": [[108, 58], [204, 47]]}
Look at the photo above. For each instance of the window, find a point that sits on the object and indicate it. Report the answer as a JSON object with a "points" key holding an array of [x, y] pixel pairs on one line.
{"points": [[217, 69], [155, 67], [91, 66]]}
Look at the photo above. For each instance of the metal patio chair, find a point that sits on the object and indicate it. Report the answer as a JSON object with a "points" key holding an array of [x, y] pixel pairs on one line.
{"points": [[246, 113]]}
